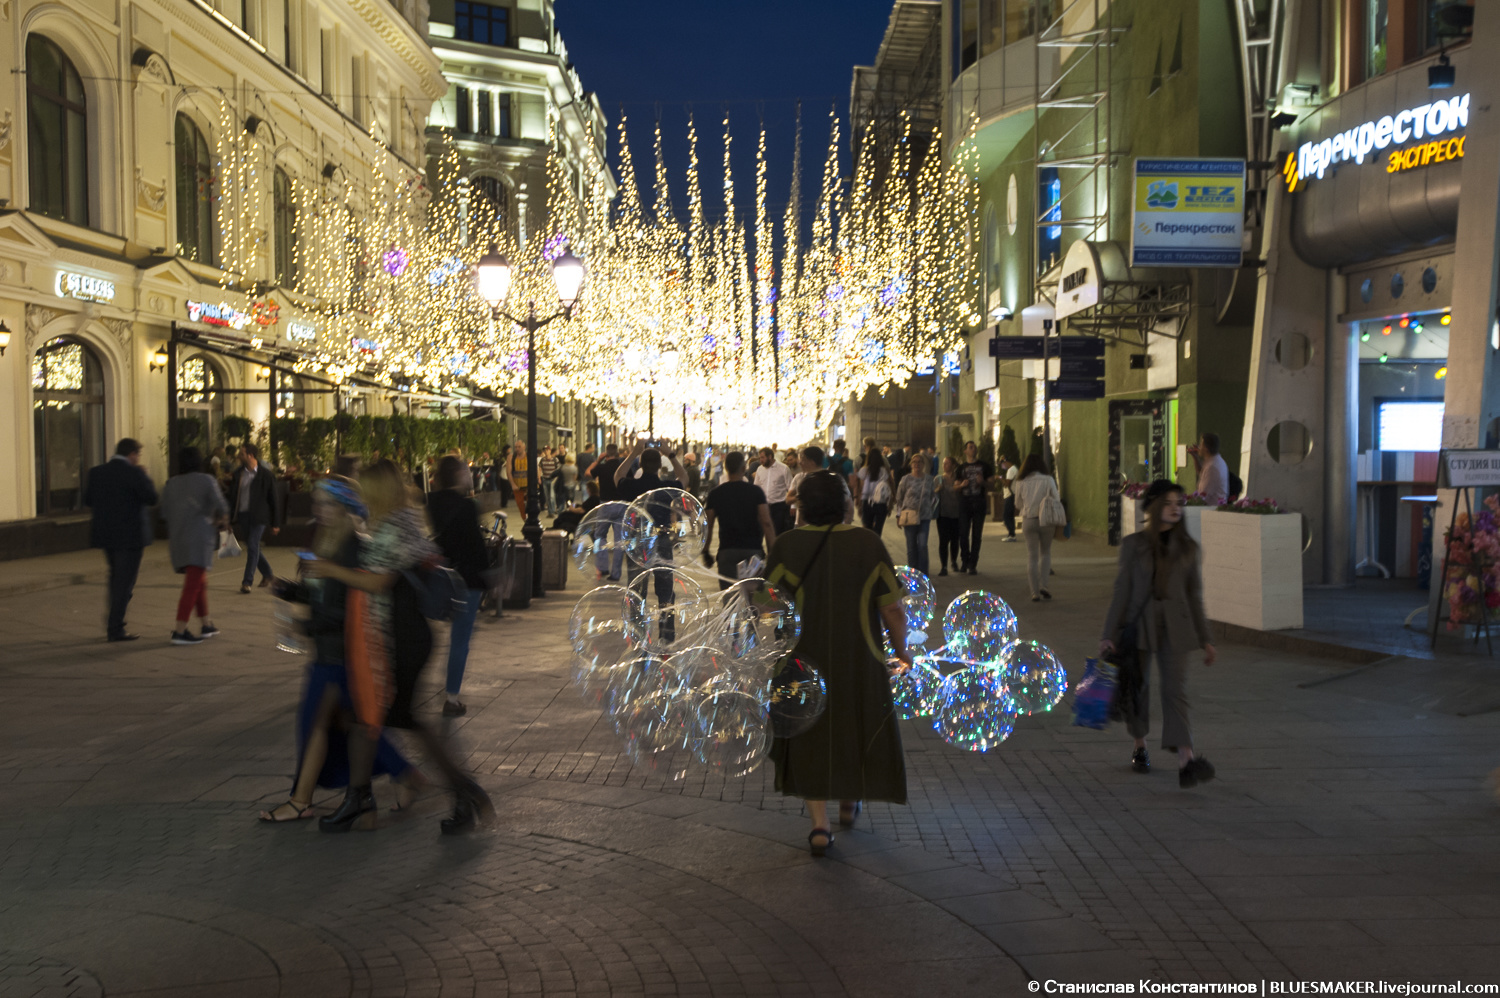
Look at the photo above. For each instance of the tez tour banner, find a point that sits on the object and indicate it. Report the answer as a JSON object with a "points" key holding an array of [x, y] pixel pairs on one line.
{"points": [[1188, 213]]}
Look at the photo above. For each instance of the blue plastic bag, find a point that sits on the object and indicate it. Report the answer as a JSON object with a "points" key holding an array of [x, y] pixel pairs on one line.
{"points": [[1094, 694]]}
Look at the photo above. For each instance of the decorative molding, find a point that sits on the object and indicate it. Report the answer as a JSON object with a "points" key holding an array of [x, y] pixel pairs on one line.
{"points": [[150, 196], [38, 318], [122, 328], [158, 304], [5, 128]]}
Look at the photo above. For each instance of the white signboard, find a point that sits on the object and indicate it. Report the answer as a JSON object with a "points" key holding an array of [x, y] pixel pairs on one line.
{"points": [[1078, 287], [84, 288], [1188, 213], [1462, 469]]}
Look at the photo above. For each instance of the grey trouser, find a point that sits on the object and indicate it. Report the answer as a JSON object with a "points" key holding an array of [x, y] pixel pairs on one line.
{"points": [[1171, 666], [1038, 553]]}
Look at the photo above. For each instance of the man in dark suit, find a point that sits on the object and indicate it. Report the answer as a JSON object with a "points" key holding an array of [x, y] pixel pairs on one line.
{"points": [[121, 495], [254, 505]]}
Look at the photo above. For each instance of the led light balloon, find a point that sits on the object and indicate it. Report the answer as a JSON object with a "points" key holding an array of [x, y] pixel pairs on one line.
{"points": [[1035, 677], [670, 599], [599, 540], [671, 527], [919, 599], [975, 710], [914, 692], [796, 696], [978, 626], [760, 620]]}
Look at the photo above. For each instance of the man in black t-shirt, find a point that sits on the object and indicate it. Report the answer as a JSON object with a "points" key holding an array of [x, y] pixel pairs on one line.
{"points": [[629, 490], [740, 508], [603, 471], [974, 477]]}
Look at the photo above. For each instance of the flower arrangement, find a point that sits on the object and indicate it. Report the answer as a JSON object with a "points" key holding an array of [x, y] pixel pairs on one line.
{"points": [[1133, 490], [1473, 564], [1255, 507], [1198, 499]]}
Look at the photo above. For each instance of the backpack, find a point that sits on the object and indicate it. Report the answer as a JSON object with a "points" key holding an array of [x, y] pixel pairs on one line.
{"points": [[440, 591]]}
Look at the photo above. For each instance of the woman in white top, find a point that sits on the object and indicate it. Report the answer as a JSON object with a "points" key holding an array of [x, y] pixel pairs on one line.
{"points": [[1031, 490], [874, 492]]}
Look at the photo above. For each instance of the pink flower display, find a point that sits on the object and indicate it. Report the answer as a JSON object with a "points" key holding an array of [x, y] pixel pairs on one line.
{"points": [[1473, 564]]}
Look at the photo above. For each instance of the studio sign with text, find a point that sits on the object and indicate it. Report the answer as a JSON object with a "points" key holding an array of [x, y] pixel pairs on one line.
{"points": [[1425, 121], [84, 288]]}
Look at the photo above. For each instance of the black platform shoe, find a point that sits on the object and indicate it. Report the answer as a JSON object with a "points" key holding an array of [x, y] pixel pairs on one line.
{"points": [[357, 811], [1198, 770], [471, 807], [1140, 761]]}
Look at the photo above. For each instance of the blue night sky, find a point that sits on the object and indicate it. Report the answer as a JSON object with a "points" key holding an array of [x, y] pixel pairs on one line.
{"points": [[753, 58]]}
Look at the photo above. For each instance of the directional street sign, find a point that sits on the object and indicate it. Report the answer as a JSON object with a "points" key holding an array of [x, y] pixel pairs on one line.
{"points": [[1078, 346], [1080, 368], [1016, 347], [1075, 391]]}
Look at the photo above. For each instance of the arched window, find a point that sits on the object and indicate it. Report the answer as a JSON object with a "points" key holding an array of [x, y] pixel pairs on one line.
{"points": [[195, 193], [56, 133], [284, 225], [67, 404], [492, 191], [200, 404]]}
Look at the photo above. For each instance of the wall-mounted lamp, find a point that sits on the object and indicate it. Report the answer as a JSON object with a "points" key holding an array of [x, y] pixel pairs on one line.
{"points": [[263, 373], [4, 338], [159, 359], [1443, 75]]}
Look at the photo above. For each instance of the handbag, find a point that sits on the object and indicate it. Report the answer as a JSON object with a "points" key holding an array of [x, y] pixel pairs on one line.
{"points": [[1130, 675], [1052, 513], [908, 518]]}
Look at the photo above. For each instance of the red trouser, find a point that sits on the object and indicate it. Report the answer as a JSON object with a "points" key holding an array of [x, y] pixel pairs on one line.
{"points": [[194, 593]]}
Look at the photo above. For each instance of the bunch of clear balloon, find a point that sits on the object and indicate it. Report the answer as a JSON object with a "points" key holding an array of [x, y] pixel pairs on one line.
{"points": [[688, 675], [979, 679]]}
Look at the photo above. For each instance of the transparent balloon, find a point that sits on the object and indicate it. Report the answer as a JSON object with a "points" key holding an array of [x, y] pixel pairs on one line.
{"points": [[796, 696], [669, 527], [671, 601], [757, 620], [914, 692], [978, 626], [659, 732], [919, 599], [1035, 677], [975, 709], [599, 541], [733, 730]]}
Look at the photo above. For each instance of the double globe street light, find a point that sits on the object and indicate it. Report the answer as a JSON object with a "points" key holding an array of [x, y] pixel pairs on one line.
{"points": [[492, 276]]}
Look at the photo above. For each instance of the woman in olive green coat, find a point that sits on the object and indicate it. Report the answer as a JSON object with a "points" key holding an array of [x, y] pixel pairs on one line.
{"points": [[844, 585]]}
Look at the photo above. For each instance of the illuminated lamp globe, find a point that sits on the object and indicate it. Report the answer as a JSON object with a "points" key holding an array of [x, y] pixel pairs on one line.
{"points": [[492, 277], [567, 274]]}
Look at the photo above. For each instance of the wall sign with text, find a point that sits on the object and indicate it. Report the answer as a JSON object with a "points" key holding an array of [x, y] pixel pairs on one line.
{"points": [[1425, 121], [1188, 213]]}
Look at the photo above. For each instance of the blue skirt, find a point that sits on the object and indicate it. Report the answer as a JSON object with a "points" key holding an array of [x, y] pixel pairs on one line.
{"points": [[335, 772]]}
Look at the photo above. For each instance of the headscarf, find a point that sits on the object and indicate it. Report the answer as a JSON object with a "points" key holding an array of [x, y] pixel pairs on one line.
{"points": [[345, 493]]}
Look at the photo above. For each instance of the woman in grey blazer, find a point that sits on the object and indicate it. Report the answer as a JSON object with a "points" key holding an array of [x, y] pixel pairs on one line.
{"points": [[1159, 597], [193, 507]]}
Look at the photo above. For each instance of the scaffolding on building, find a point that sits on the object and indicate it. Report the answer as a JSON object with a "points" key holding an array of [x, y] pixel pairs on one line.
{"points": [[904, 86]]}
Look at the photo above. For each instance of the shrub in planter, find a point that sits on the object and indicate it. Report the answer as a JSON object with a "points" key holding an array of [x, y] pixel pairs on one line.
{"points": [[235, 428]]}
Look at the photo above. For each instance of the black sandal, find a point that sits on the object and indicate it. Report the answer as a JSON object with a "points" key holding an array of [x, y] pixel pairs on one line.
{"points": [[300, 813], [848, 817], [819, 850]]}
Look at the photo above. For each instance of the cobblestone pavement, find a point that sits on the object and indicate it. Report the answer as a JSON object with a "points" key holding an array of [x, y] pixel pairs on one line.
{"points": [[1351, 833]]}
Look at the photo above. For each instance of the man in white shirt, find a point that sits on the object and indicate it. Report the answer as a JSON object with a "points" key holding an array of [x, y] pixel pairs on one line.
{"points": [[1213, 473], [775, 479], [1008, 475]]}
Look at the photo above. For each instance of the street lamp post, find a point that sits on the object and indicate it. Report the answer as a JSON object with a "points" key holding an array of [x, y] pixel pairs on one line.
{"points": [[492, 277]]}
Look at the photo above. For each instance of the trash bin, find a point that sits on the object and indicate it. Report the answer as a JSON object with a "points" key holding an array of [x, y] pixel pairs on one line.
{"points": [[516, 585], [555, 559]]}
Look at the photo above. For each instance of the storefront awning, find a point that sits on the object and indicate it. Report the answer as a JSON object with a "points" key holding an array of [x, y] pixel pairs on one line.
{"points": [[1098, 291]]}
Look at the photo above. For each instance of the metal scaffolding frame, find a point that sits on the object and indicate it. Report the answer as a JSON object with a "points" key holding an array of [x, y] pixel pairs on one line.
{"points": [[904, 84]]}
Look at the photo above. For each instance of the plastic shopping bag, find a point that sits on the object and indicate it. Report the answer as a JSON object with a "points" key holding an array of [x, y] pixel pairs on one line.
{"points": [[228, 546], [1094, 695]]}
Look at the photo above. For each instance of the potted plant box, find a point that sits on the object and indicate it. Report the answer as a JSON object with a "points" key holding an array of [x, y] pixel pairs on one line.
{"points": [[1252, 566]]}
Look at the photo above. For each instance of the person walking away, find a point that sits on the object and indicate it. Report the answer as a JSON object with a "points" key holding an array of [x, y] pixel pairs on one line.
{"points": [[520, 474], [567, 482], [839, 462], [916, 504], [397, 642], [607, 565], [501, 476], [631, 488], [843, 582], [740, 510], [946, 488], [874, 491], [455, 528], [1158, 608], [546, 467], [812, 460], [1033, 489], [119, 494], [1213, 472], [775, 481], [976, 477], [193, 508], [255, 506], [1008, 475]]}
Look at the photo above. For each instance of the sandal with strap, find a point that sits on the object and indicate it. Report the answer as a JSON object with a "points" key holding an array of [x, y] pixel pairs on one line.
{"points": [[817, 849], [848, 816], [278, 814]]}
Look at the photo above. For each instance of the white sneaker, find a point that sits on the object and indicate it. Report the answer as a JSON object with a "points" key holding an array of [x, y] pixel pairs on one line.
{"points": [[1008, 539]]}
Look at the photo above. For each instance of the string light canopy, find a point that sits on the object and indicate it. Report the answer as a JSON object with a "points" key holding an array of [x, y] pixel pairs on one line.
{"points": [[709, 313]]}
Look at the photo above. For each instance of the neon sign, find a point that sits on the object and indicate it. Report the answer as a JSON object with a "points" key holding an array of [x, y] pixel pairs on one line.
{"points": [[301, 332], [1423, 121], [221, 314], [84, 288]]}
